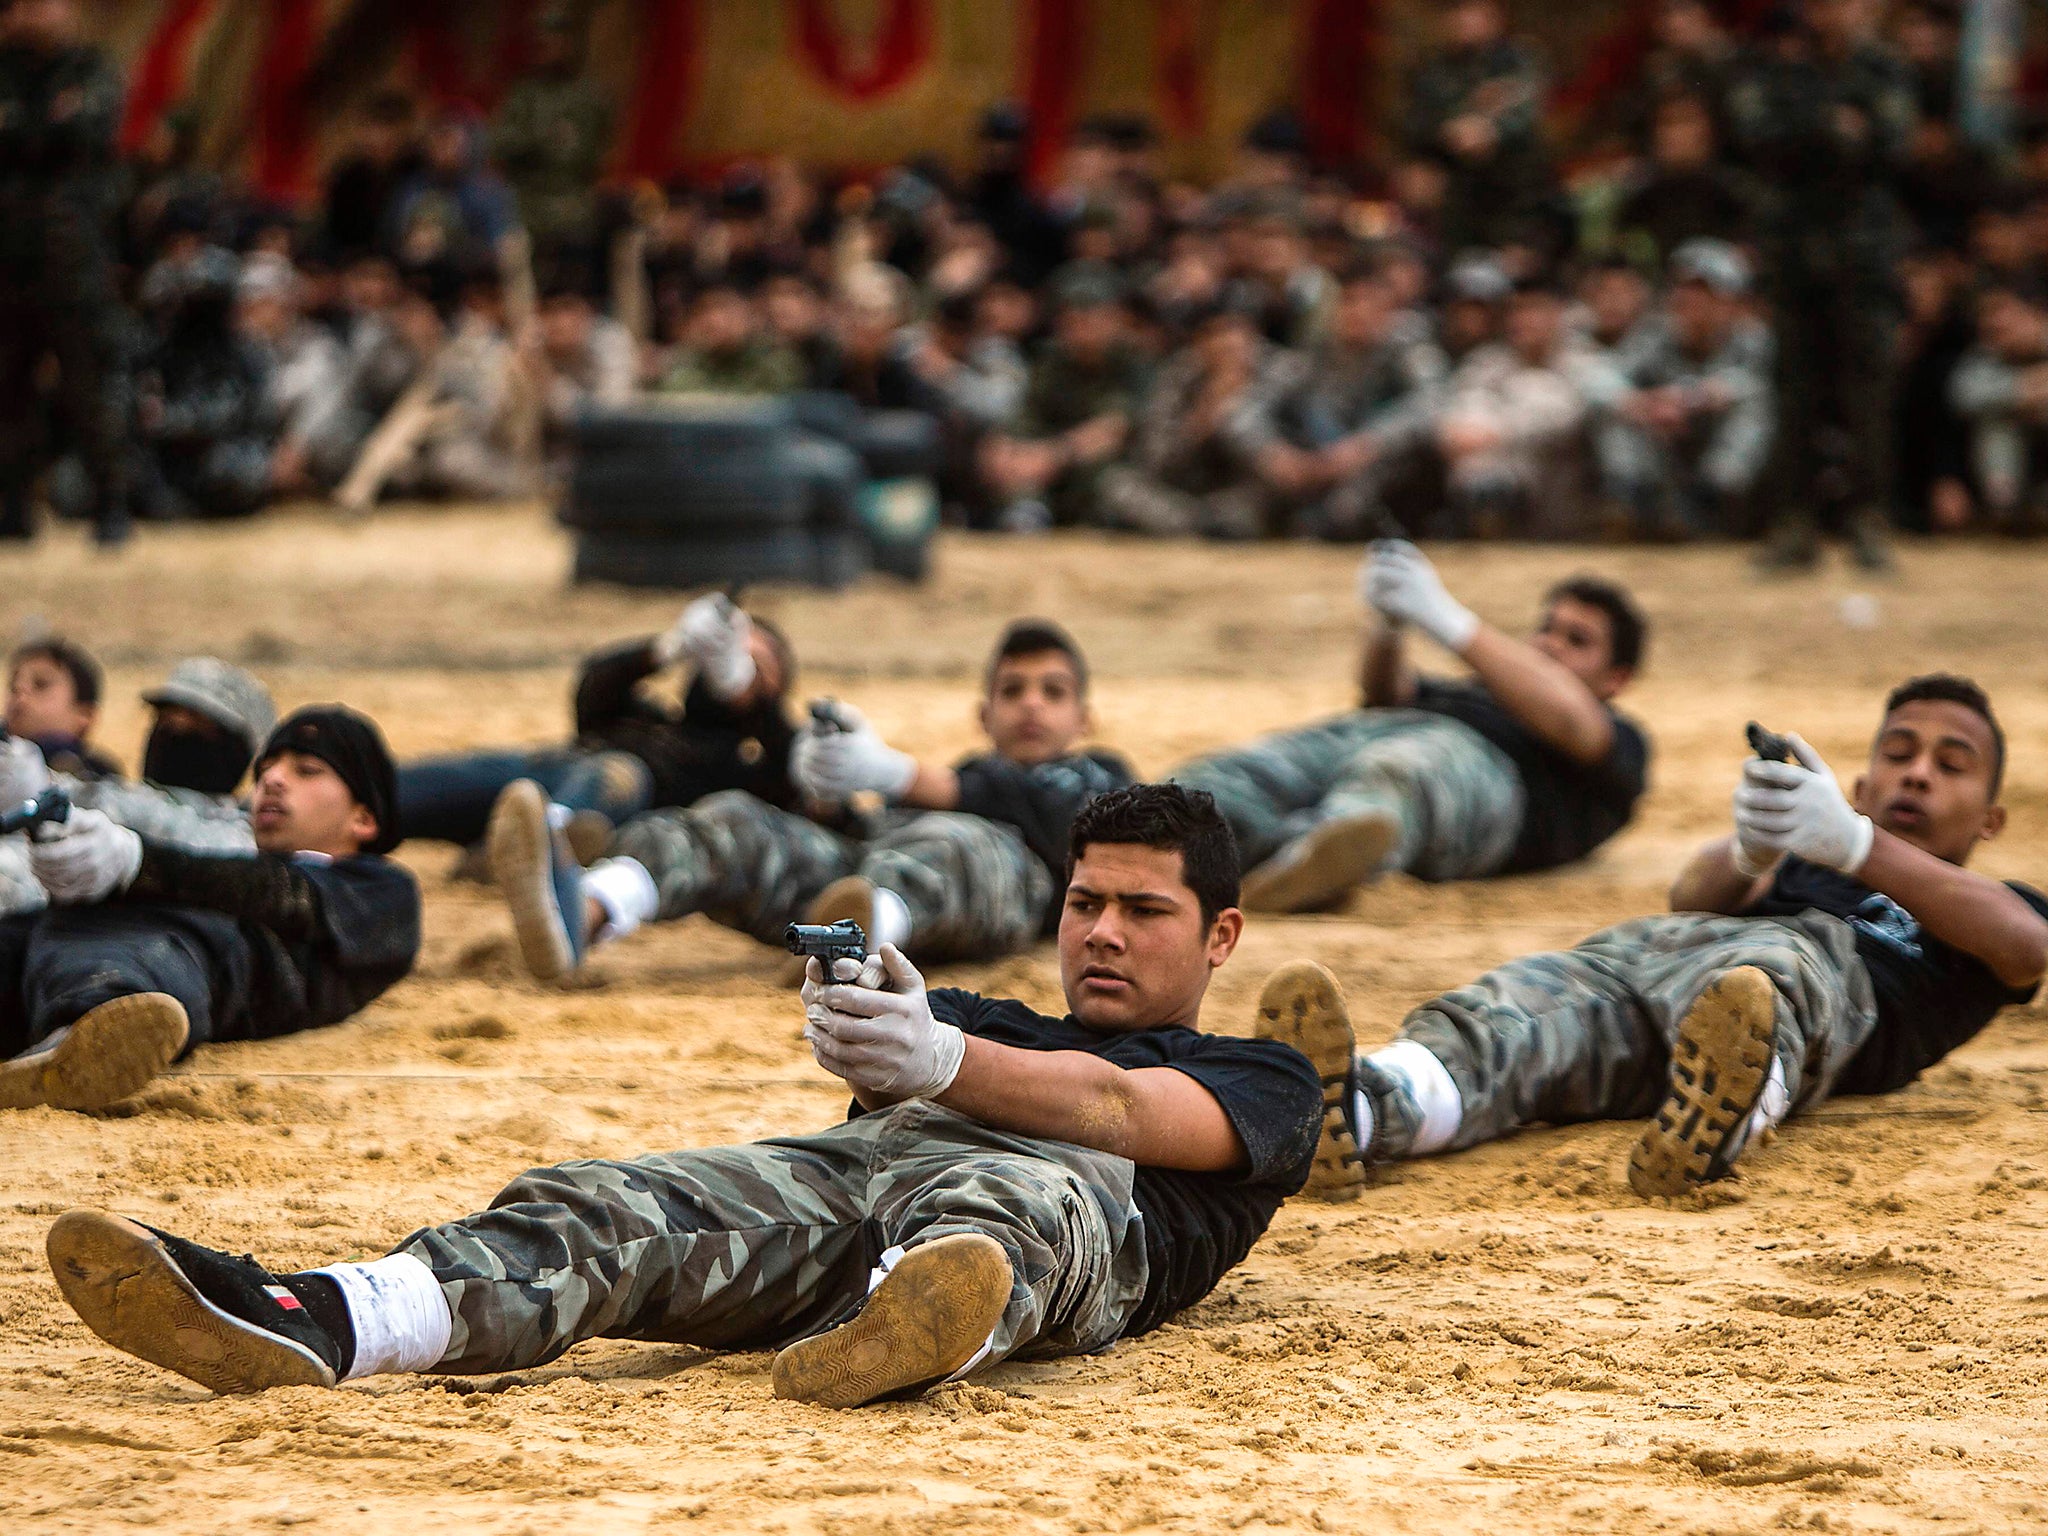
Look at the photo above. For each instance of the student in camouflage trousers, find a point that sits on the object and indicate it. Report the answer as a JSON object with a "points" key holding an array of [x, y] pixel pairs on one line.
{"points": [[1829, 946], [1526, 767], [961, 863], [915, 1242]]}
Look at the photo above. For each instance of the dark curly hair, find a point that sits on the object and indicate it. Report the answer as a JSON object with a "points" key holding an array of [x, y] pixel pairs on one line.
{"points": [[1173, 819]]}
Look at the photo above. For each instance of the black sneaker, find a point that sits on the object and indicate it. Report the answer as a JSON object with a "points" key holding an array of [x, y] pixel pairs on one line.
{"points": [[224, 1322]]}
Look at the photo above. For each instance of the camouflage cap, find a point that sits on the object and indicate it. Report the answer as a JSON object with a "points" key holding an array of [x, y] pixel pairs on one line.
{"points": [[1715, 263], [223, 693]]}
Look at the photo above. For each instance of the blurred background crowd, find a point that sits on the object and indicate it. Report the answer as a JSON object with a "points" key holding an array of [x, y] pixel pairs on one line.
{"points": [[1772, 285]]}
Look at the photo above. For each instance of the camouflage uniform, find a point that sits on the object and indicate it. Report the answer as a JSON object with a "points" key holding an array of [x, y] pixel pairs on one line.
{"points": [[1699, 479], [1179, 482], [1586, 1033], [974, 889], [2008, 436], [1064, 392], [753, 1247], [550, 139], [758, 368], [1457, 797]]}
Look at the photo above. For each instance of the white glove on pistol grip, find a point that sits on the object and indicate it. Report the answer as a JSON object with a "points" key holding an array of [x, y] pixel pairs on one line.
{"points": [[23, 773], [715, 634], [874, 1028], [1797, 808], [1401, 584], [833, 765], [89, 860]]}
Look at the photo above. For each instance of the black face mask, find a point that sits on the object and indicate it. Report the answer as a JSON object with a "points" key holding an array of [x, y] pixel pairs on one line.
{"points": [[212, 763]]}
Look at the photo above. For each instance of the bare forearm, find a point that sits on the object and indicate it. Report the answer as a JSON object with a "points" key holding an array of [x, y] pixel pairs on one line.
{"points": [[1972, 912], [936, 788], [1712, 883], [1386, 680], [1542, 694]]}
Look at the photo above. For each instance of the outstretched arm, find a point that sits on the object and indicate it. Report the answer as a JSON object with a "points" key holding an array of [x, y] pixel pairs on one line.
{"points": [[1542, 694], [878, 1033]]}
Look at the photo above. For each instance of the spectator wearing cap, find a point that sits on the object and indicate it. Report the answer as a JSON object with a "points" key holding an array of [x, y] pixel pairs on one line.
{"points": [[208, 718], [202, 390], [574, 358], [305, 400], [1193, 459], [1513, 430], [1683, 446], [1475, 295], [148, 950], [1046, 466], [1346, 448], [2000, 389]]}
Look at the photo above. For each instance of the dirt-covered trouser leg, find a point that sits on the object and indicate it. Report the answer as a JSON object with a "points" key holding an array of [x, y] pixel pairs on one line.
{"points": [[738, 860], [1456, 796], [1586, 1033], [756, 1246], [974, 891]]}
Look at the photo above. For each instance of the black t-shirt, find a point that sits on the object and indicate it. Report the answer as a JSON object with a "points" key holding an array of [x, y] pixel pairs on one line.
{"points": [[1931, 996], [1197, 1225], [1569, 808], [1041, 802], [705, 747]]}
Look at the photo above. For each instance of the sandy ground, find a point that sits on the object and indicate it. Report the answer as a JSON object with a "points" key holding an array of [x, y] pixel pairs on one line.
{"points": [[1855, 1339]]}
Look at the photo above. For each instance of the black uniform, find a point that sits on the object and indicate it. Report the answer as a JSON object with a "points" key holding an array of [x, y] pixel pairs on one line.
{"points": [[58, 114], [1931, 997], [252, 947]]}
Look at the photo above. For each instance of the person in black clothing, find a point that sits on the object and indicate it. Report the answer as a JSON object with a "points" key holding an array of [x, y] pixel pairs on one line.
{"points": [[382, 157], [148, 950], [53, 700], [1526, 767], [1005, 1183], [60, 104], [959, 863], [630, 752], [1833, 944]]}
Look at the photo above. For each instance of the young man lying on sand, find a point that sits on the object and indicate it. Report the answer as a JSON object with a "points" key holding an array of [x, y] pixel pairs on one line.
{"points": [[1525, 766], [1830, 945], [1005, 1183], [959, 863]]}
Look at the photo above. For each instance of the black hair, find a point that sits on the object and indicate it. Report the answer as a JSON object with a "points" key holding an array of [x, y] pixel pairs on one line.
{"points": [[1948, 688], [87, 680], [1627, 629], [1034, 637], [1174, 820]]}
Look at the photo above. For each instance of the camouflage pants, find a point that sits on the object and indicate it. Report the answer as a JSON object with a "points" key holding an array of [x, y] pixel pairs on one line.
{"points": [[1586, 1033], [1456, 796], [751, 1247], [973, 889]]}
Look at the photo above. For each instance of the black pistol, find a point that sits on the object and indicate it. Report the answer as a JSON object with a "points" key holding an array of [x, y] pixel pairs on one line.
{"points": [[829, 942], [51, 808], [1769, 745]]}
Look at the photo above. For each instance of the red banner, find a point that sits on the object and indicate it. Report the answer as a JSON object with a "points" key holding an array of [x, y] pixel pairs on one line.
{"points": [[284, 124], [1056, 43], [661, 96], [160, 72], [903, 42], [1183, 38], [1339, 41]]}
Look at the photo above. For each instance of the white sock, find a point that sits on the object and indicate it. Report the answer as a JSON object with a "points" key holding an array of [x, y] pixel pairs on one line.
{"points": [[627, 893], [1773, 1103], [1431, 1086], [892, 920], [401, 1319], [1362, 1117]]}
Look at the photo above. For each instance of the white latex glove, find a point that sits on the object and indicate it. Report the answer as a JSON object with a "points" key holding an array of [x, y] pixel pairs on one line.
{"points": [[1404, 587], [23, 773], [875, 1028], [89, 860], [713, 634], [1798, 808], [833, 765]]}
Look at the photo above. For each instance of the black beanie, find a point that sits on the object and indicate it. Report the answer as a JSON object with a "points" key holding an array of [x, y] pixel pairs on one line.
{"points": [[353, 747]]}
